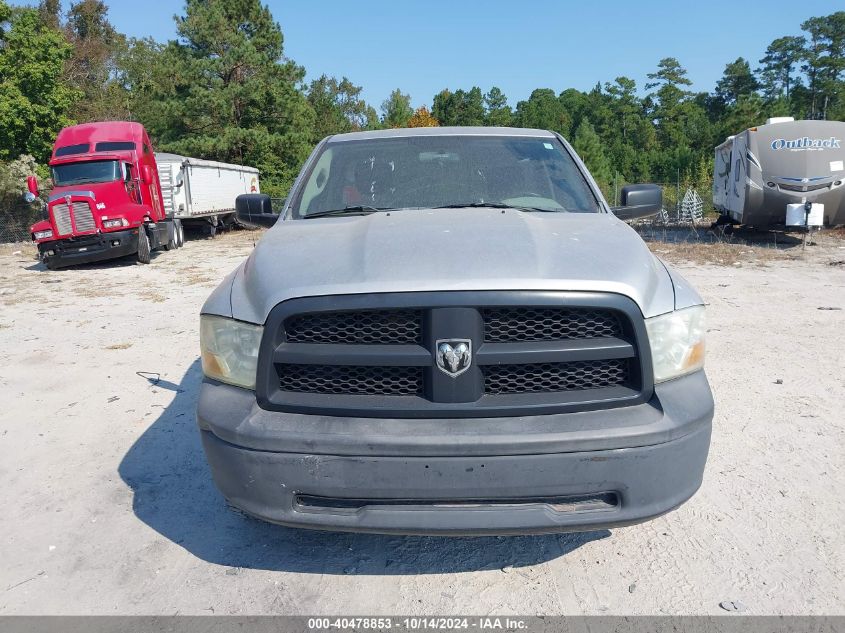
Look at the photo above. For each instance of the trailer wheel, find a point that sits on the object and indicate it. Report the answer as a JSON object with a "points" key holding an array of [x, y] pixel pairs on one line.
{"points": [[180, 234], [143, 246], [212, 230], [172, 240]]}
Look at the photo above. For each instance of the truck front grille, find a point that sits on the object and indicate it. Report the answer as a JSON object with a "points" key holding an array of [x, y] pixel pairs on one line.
{"points": [[377, 327], [61, 219], [531, 353], [334, 379], [83, 218], [78, 214], [508, 325], [551, 377]]}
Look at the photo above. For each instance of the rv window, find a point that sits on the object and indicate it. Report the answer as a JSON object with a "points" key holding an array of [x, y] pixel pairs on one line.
{"points": [[113, 146], [68, 150]]}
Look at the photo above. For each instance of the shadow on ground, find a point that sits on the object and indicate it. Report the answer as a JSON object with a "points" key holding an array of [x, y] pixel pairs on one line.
{"points": [[174, 495]]}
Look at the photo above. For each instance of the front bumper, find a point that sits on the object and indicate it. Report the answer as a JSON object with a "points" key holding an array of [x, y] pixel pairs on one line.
{"points": [[464, 476], [88, 248]]}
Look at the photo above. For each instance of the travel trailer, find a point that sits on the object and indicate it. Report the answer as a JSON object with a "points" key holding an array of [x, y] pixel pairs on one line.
{"points": [[785, 172]]}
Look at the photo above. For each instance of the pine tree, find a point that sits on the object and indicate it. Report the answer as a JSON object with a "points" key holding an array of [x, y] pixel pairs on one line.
{"points": [[589, 147], [497, 110], [225, 91], [396, 109], [338, 107]]}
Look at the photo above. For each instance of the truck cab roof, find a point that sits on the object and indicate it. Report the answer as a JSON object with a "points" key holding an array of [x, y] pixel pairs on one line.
{"points": [[91, 140]]}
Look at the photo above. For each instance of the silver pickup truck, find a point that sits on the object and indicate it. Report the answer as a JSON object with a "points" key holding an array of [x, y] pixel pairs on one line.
{"points": [[449, 331]]}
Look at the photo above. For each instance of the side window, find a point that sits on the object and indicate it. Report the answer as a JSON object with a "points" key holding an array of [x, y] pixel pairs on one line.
{"points": [[127, 172]]}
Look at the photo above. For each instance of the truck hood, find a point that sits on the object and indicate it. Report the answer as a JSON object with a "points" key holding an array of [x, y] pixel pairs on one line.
{"points": [[447, 249]]}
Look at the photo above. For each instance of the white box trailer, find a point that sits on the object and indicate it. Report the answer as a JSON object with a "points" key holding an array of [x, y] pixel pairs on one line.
{"points": [[764, 171], [203, 192]]}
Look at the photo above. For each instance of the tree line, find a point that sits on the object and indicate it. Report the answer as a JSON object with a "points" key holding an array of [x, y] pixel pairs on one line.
{"points": [[224, 90]]}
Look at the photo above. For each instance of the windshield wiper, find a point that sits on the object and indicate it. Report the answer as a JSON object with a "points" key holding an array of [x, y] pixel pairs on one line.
{"points": [[497, 205], [358, 209]]}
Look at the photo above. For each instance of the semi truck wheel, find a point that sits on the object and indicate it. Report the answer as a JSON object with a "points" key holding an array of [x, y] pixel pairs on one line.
{"points": [[143, 246], [172, 239], [180, 234]]}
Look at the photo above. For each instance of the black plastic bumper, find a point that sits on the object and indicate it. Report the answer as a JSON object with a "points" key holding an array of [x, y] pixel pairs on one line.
{"points": [[89, 248], [553, 473]]}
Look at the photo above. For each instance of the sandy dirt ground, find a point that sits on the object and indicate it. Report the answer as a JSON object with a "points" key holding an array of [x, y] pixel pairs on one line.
{"points": [[108, 506]]}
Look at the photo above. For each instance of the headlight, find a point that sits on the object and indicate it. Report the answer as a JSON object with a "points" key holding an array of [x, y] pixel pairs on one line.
{"points": [[677, 342], [43, 235], [229, 350], [110, 224]]}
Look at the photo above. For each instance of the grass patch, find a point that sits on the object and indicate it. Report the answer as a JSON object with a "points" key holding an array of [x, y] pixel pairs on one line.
{"points": [[717, 253]]}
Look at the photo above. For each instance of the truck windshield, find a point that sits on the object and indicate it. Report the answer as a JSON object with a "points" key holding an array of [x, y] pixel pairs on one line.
{"points": [[530, 173], [89, 171]]}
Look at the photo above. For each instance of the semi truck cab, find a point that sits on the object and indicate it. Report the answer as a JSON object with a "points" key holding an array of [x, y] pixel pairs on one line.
{"points": [[106, 200]]}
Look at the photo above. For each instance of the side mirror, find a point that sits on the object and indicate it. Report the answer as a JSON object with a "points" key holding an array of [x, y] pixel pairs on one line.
{"points": [[255, 209], [639, 201], [32, 185], [147, 174]]}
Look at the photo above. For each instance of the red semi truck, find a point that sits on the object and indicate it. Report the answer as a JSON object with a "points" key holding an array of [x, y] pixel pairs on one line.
{"points": [[106, 201]]}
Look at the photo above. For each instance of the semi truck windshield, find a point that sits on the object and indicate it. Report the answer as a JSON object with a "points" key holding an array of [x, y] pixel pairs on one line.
{"points": [[86, 172]]}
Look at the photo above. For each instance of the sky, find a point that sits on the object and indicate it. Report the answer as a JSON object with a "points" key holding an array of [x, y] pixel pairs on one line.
{"points": [[423, 47]]}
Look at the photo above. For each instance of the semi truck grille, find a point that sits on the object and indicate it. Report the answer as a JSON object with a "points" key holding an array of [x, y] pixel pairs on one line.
{"points": [[529, 353], [551, 377], [333, 379], [83, 218], [80, 216], [61, 218]]}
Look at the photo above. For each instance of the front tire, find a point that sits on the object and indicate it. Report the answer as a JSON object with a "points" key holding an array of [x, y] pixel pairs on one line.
{"points": [[143, 246]]}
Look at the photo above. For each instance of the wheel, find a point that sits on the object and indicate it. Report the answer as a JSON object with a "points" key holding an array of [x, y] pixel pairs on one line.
{"points": [[212, 230], [180, 234], [172, 240], [143, 246]]}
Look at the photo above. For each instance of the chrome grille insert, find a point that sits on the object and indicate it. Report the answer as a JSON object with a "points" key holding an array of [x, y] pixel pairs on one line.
{"points": [[83, 218], [61, 218]]}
